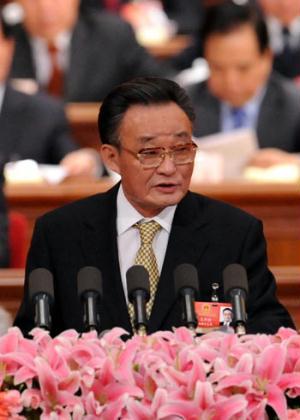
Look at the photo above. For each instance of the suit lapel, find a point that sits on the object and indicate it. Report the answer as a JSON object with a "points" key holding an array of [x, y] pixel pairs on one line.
{"points": [[9, 116], [207, 108], [23, 64], [99, 247], [267, 126], [187, 243], [78, 60]]}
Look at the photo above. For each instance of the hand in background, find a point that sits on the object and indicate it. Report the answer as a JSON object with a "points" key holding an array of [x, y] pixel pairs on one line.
{"points": [[265, 158], [84, 161]]}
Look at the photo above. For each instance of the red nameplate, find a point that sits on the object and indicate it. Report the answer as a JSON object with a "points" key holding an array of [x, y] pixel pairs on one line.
{"points": [[212, 315]]}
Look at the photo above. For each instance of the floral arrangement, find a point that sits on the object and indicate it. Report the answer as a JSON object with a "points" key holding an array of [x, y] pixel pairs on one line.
{"points": [[166, 375]]}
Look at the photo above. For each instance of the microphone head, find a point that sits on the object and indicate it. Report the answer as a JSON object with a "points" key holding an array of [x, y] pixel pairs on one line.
{"points": [[137, 279], [11, 15], [186, 276], [89, 279], [40, 280], [234, 277]]}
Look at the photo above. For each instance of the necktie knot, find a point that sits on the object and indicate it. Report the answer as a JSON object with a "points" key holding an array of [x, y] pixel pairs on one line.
{"points": [[147, 231], [52, 48], [239, 117]]}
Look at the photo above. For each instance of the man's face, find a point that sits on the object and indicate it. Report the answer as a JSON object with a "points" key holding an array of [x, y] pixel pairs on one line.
{"points": [[284, 10], [288, 10], [150, 190], [47, 18], [237, 67], [6, 52], [227, 315]]}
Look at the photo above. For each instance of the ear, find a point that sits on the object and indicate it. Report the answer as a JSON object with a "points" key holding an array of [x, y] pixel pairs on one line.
{"points": [[110, 157]]}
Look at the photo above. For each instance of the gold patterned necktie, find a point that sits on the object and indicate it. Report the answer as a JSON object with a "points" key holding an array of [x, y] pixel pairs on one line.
{"points": [[146, 257]]}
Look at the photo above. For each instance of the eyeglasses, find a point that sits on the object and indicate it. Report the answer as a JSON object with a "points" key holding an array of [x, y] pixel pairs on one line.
{"points": [[154, 156]]}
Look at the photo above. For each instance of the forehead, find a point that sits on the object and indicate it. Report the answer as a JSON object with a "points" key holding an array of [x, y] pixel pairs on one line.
{"points": [[33, 5], [152, 121], [236, 45]]}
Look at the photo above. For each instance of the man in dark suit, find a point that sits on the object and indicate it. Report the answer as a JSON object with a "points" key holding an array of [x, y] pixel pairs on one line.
{"points": [[93, 51], [241, 90], [283, 21], [146, 132], [35, 126]]}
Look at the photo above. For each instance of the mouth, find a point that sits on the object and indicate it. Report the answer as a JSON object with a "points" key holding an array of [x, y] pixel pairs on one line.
{"points": [[167, 187]]}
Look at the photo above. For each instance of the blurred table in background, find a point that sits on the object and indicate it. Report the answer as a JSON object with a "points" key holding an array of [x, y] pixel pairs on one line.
{"points": [[288, 282], [277, 205], [170, 48], [83, 119]]}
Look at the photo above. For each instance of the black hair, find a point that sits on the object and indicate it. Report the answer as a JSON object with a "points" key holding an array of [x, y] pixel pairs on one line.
{"points": [[225, 17], [139, 91], [227, 309]]}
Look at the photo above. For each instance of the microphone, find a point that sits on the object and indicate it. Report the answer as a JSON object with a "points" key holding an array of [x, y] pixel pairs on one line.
{"points": [[11, 15], [138, 290], [89, 283], [236, 289], [41, 294], [186, 286]]}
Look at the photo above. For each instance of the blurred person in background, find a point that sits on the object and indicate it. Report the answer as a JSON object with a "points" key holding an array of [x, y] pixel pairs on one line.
{"points": [[79, 57], [283, 21], [35, 126], [242, 91], [186, 14]]}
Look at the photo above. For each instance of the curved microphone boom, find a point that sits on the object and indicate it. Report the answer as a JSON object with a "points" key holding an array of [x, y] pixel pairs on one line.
{"points": [[187, 286], [41, 294], [235, 283], [89, 282], [138, 290]]}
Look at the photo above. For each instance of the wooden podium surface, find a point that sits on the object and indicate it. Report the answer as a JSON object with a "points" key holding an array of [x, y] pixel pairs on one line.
{"points": [[277, 205]]}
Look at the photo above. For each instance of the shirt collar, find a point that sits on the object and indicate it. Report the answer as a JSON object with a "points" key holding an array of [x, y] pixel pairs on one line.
{"points": [[61, 41], [252, 105], [127, 215]]}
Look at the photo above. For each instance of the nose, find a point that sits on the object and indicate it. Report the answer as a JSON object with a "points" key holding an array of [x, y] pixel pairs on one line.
{"points": [[230, 79], [167, 165]]}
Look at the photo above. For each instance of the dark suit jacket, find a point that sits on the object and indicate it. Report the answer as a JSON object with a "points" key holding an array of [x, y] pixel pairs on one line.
{"points": [[278, 119], [33, 127], [205, 232], [4, 243], [104, 53], [287, 63]]}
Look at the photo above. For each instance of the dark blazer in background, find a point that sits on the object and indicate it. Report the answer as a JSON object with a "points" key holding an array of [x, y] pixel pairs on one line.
{"points": [[187, 14], [278, 122], [33, 127], [288, 63], [205, 232], [4, 243], [104, 53]]}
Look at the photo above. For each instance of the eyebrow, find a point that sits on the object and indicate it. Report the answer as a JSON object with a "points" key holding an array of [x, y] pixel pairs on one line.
{"points": [[180, 134]]}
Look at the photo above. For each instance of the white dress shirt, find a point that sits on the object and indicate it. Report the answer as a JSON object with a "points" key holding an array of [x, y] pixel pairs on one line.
{"points": [[276, 37], [42, 60], [128, 237], [251, 109]]}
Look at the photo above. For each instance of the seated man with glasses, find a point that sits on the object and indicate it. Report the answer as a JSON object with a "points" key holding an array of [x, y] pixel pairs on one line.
{"points": [[149, 218]]}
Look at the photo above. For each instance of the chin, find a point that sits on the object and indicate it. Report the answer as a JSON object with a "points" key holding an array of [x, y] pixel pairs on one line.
{"points": [[170, 200]]}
